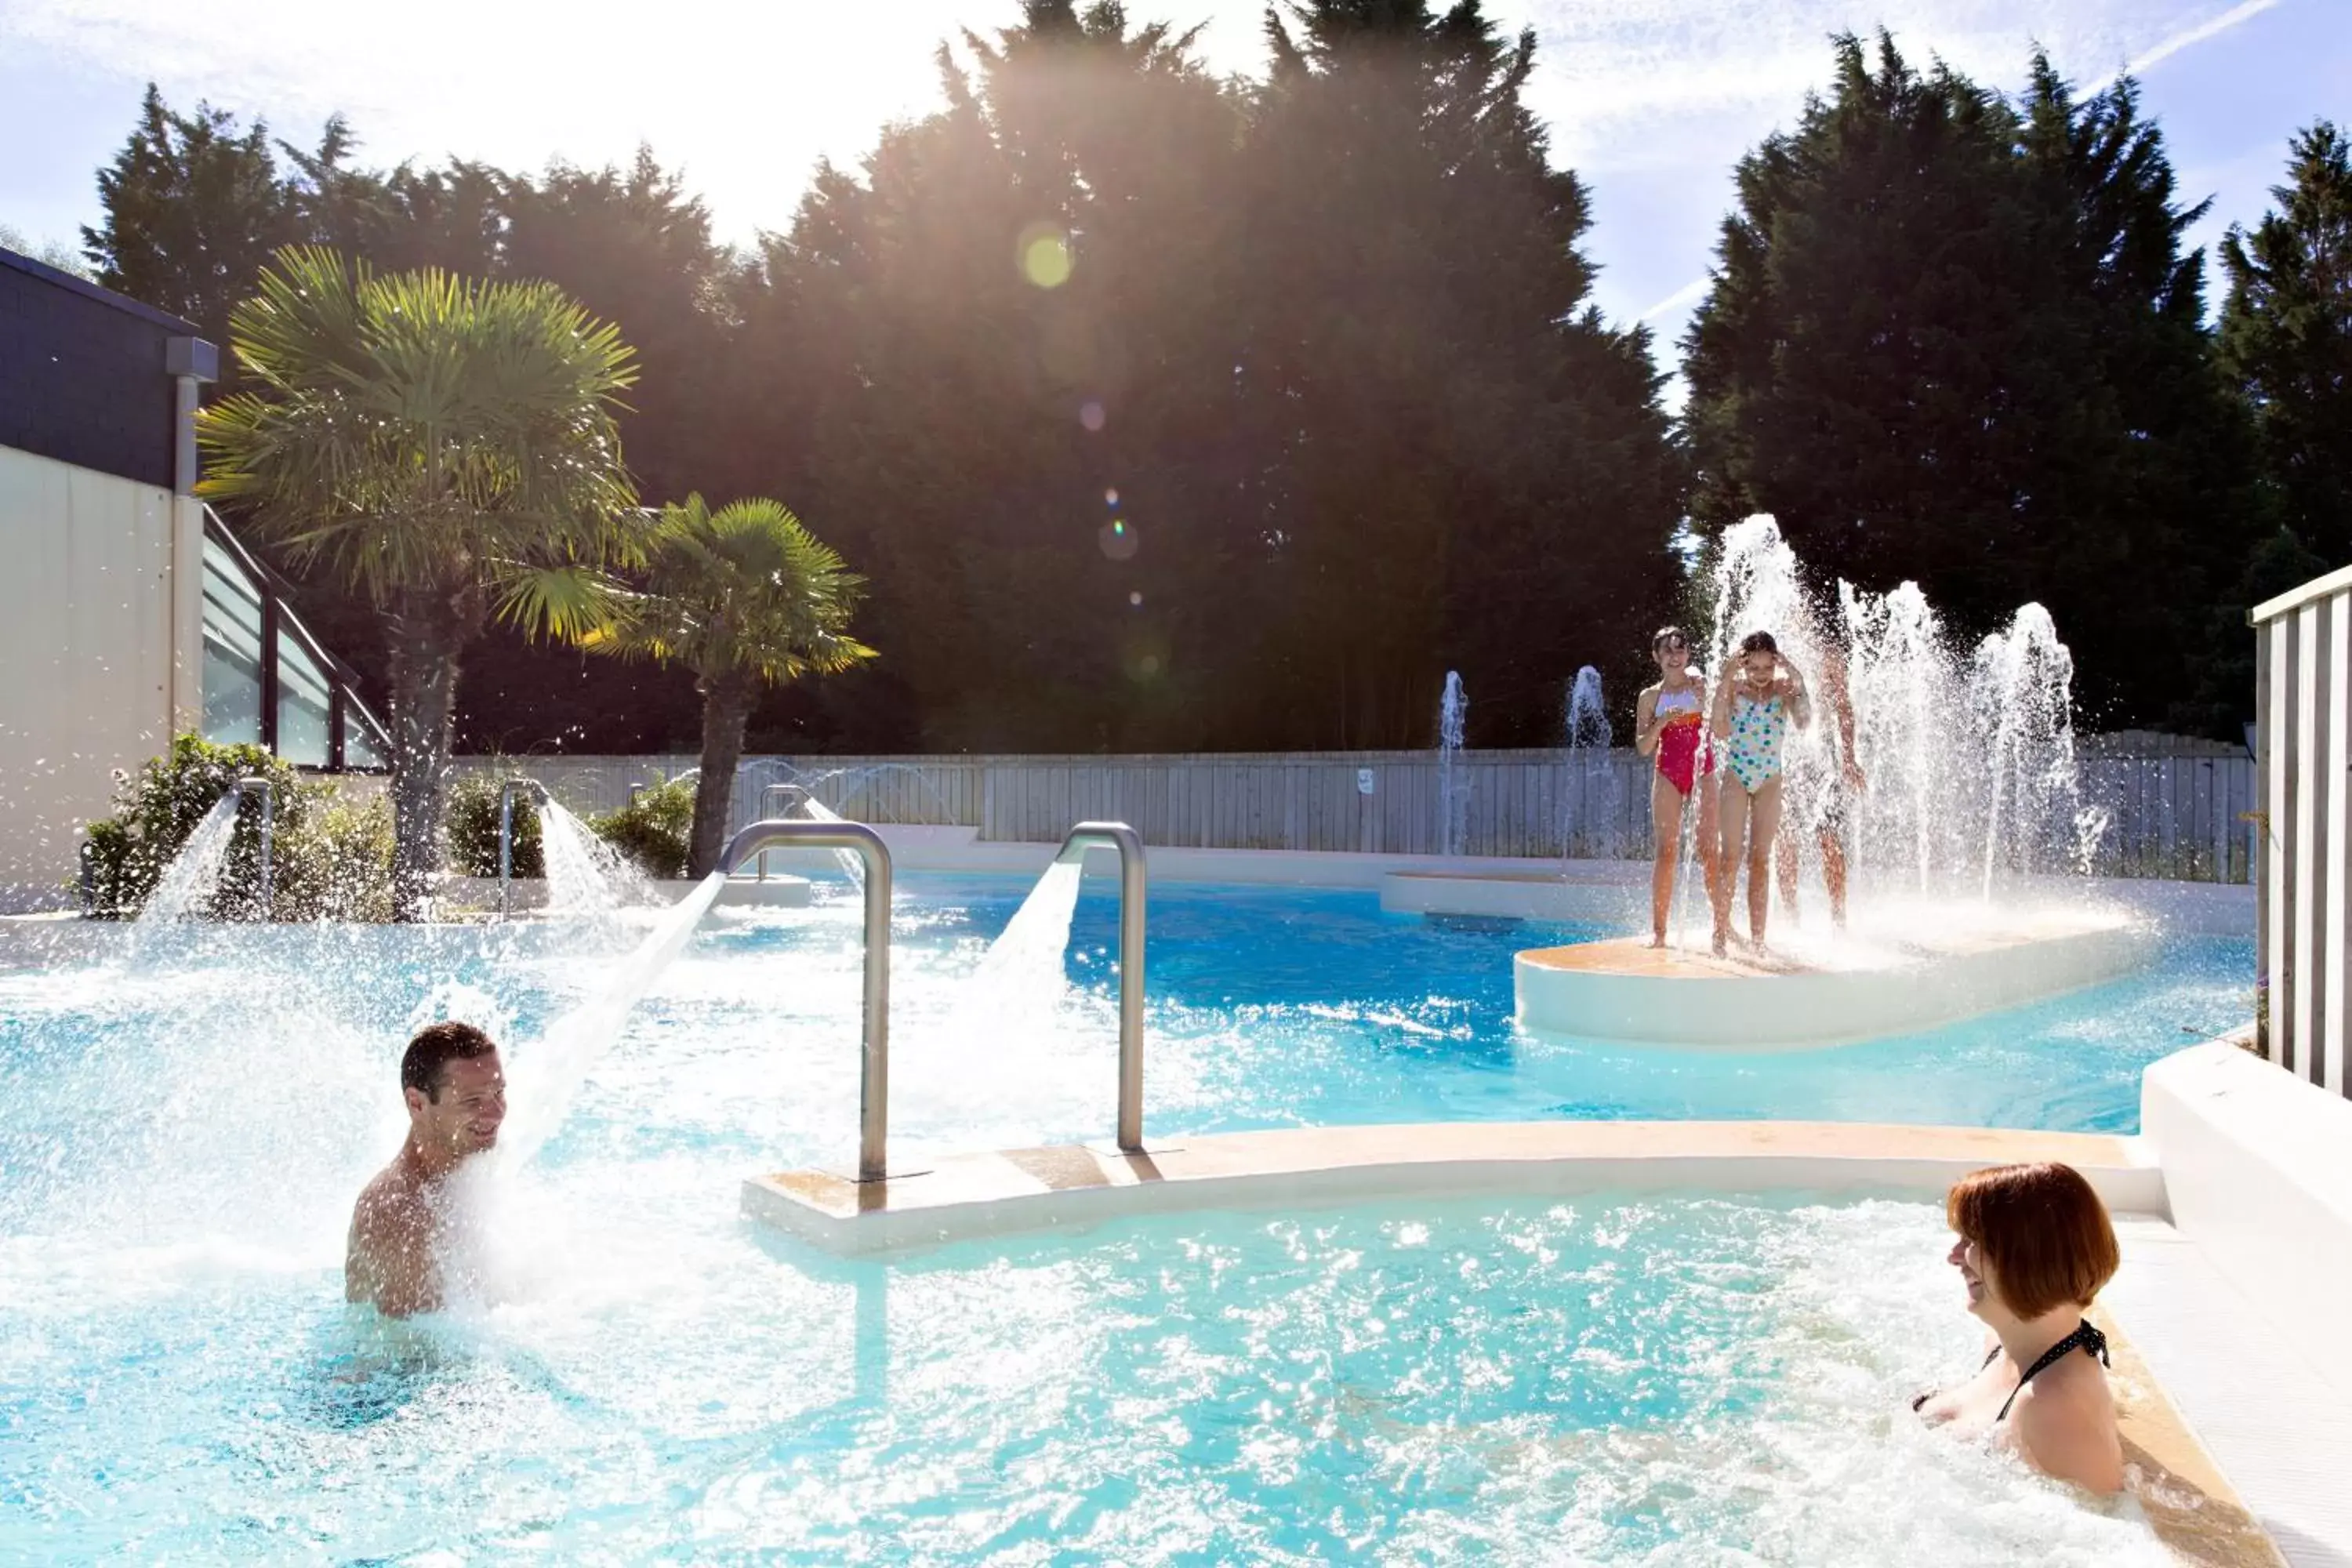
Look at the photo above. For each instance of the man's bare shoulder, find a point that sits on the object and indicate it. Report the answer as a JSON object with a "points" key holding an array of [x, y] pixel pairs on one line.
{"points": [[386, 1258], [393, 1198]]}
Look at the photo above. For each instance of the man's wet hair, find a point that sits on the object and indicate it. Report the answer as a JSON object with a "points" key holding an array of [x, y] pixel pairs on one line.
{"points": [[433, 1048]]}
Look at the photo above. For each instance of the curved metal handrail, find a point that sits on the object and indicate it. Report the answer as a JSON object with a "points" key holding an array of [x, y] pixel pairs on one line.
{"points": [[1133, 885], [507, 791], [874, 1062]]}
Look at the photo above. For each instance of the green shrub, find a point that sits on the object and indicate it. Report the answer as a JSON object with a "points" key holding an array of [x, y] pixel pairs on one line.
{"points": [[336, 863], [654, 830], [471, 821], [157, 808]]}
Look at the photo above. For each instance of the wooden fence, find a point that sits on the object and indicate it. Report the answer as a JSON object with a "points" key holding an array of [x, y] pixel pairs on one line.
{"points": [[2302, 707], [2175, 816]]}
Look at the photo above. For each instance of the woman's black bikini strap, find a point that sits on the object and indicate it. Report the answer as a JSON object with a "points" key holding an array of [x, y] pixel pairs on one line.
{"points": [[2084, 1337]]}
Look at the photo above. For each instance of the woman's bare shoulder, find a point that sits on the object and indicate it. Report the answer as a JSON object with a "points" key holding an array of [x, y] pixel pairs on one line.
{"points": [[2066, 1425]]}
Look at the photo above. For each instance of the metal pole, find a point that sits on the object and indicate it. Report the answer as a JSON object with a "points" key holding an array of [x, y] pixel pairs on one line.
{"points": [[257, 784], [1133, 886], [538, 791], [874, 1066]]}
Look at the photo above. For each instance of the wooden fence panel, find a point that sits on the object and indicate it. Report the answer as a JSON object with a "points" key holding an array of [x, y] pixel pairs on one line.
{"points": [[2174, 816]]}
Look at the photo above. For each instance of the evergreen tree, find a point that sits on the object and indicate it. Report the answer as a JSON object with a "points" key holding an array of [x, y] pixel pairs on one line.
{"points": [[1458, 465], [2287, 342], [1957, 341], [194, 208]]}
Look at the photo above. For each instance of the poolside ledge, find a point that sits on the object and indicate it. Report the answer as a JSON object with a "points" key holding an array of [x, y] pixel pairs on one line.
{"points": [[965, 1195]]}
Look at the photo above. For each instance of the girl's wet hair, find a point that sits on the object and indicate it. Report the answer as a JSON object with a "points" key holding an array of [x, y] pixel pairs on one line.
{"points": [[1667, 634], [1759, 642]]}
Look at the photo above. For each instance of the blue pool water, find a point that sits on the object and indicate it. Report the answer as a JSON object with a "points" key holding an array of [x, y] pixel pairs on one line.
{"points": [[1608, 1380]]}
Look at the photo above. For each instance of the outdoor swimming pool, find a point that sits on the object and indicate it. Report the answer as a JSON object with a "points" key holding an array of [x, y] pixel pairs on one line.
{"points": [[1676, 1380]]}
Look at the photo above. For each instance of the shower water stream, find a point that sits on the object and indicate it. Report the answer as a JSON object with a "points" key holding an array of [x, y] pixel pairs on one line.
{"points": [[851, 865], [546, 1077], [584, 874], [1022, 977], [193, 876]]}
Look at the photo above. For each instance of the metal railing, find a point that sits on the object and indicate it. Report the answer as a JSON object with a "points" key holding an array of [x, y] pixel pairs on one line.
{"points": [[247, 787], [1133, 886], [507, 791], [874, 1062]]}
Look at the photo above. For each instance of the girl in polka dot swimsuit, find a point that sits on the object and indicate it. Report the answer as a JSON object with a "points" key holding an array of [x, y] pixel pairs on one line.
{"points": [[1759, 697]]}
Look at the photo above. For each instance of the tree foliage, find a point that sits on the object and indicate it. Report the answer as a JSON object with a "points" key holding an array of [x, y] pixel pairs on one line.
{"points": [[745, 598], [1281, 431], [445, 448], [1956, 338], [2287, 340], [1173, 411]]}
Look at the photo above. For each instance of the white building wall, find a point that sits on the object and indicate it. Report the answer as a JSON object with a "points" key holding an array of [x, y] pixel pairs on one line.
{"points": [[102, 653]]}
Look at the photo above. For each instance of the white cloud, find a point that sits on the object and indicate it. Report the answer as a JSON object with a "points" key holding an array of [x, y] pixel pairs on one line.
{"points": [[2167, 47], [1678, 303], [1654, 84]]}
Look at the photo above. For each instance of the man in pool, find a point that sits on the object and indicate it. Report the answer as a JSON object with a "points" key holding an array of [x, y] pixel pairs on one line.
{"points": [[457, 1097]]}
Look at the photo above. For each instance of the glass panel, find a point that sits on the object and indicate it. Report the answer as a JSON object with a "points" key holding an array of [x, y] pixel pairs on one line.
{"points": [[361, 748], [232, 678], [301, 705]]}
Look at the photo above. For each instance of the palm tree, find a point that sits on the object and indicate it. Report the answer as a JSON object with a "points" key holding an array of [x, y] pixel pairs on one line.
{"points": [[443, 445], [745, 597]]}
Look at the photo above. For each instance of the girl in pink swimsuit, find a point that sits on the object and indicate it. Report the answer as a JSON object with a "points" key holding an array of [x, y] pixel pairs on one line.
{"points": [[1670, 723]]}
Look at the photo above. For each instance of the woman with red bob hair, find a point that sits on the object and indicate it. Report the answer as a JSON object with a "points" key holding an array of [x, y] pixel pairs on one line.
{"points": [[2035, 1247]]}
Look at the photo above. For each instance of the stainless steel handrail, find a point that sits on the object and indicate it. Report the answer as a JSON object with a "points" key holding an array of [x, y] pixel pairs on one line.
{"points": [[874, 1064], [1133, 884], [507, 791], [251, 784]]}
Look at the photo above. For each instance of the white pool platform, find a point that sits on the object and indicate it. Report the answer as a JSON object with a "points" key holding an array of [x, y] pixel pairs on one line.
{"points": [[1814, 992]]}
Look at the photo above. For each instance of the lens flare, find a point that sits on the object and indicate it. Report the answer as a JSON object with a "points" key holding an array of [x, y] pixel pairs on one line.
{"points": [[1111, 498], [1042, 254], [1090, 413], [1117, 540], [1135, 598]]}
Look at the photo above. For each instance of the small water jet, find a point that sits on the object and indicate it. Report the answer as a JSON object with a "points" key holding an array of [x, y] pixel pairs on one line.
{"points": [[1452, 796], [1585, 724]]}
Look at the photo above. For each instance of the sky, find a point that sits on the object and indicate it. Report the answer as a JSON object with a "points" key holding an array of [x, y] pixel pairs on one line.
{"points": [[1652, 101]]}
